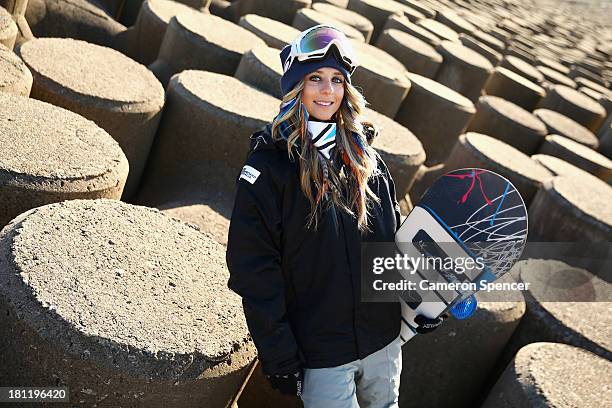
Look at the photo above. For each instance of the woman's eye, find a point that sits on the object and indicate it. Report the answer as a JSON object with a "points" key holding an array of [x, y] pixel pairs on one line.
{"points": [[337, 80], [314, 78]]}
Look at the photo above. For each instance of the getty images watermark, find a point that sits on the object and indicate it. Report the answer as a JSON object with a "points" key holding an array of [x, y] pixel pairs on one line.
{"points": [[437, 269]]}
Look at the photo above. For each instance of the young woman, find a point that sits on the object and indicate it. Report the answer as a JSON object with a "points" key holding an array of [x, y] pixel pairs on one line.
{"points": [[311, 191]]}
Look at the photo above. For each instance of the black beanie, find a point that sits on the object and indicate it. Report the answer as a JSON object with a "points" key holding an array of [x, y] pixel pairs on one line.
{"points": [[299, 69]]}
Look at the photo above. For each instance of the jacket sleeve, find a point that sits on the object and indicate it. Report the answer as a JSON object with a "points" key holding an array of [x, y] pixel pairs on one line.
{"points": [[392, 194], [254, 261]]}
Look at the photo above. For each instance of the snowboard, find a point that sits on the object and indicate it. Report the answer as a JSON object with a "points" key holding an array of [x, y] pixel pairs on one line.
{"points": [[467, 214]]}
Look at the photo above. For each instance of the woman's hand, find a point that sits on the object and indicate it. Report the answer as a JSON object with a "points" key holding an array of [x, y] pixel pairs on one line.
{"points": [[290, 384]]}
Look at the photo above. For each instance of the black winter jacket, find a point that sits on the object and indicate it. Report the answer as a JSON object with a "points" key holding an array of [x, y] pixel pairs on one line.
{"points": [[301, 289]]}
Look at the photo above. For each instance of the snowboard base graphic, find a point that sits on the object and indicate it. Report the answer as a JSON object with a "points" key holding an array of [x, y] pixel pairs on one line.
{"points": [[468, 229]]}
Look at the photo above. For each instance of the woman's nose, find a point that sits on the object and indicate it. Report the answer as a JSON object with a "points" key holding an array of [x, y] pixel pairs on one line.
{"points": [[326, 86]]}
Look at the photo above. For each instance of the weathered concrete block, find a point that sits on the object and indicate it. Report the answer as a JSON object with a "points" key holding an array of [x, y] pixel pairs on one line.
{"points": [[554, 77], [377, 11], [49, 154], [283, 11], [463, 69], [574, 105], [122, 304], [523, 68], [542, 373], [150, 27], [103, 85], [348, 17], [455, 21], [489, 53], [558, 124], [15, 77], [206, 42], [8, 29], [566, 210], [579, 155], [417, 56], [560, 167], [509, 123], [442, 31], [477, 150], [203, 138], [383, 78], [466, 352], [400, 149], [274, 33], [402, 23], [261, 68], [306, 18], [425, 104], [514, 88]]}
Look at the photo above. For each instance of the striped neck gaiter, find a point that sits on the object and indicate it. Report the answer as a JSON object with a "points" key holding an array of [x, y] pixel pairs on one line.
{"points": [[323, 136]]}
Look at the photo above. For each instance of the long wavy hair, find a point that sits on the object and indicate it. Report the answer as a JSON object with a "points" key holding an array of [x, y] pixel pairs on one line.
{"points": [[348, 190]]}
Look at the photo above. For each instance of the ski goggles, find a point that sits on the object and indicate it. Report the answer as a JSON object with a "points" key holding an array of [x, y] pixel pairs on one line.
{"points": [[316, 42]]}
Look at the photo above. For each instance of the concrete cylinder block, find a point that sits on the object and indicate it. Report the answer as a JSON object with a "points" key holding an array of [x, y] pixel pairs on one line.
{"points": [[8, 29], [575, 105], [564, 306], [122, 304], [274, 33], [554, 77], [201, 5], [49, 154], [542, 373], [306, 18], [383, 79], [401, 23], [440, 30], [591, 93], [577, 71], [417, 56], [224, 9], [15, 77], [206, 42], [522, 68], [579, 155], [605, 141], [150, 27], [478, 150], [203, 138], [209, 211], [348, 17], [377, 11], [78, 19], [421, 6], [489, 53], [509, 123], [425, 104], [489, 41], [559, 167], [425, 177], [103, 85], [568, 210], [514, 88], [262, 69], [283, 11], [558, 124], [400, 149], [585, 82], [466, 352], [336, 3], [455, 21], [463, 69], [412, 14], [552, 64]]}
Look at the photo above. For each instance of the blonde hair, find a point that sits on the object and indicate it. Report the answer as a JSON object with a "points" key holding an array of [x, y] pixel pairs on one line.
{"points": [[355, 152]]}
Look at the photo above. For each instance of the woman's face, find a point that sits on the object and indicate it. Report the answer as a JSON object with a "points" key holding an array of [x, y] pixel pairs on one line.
{"points": [[323, 92]]}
